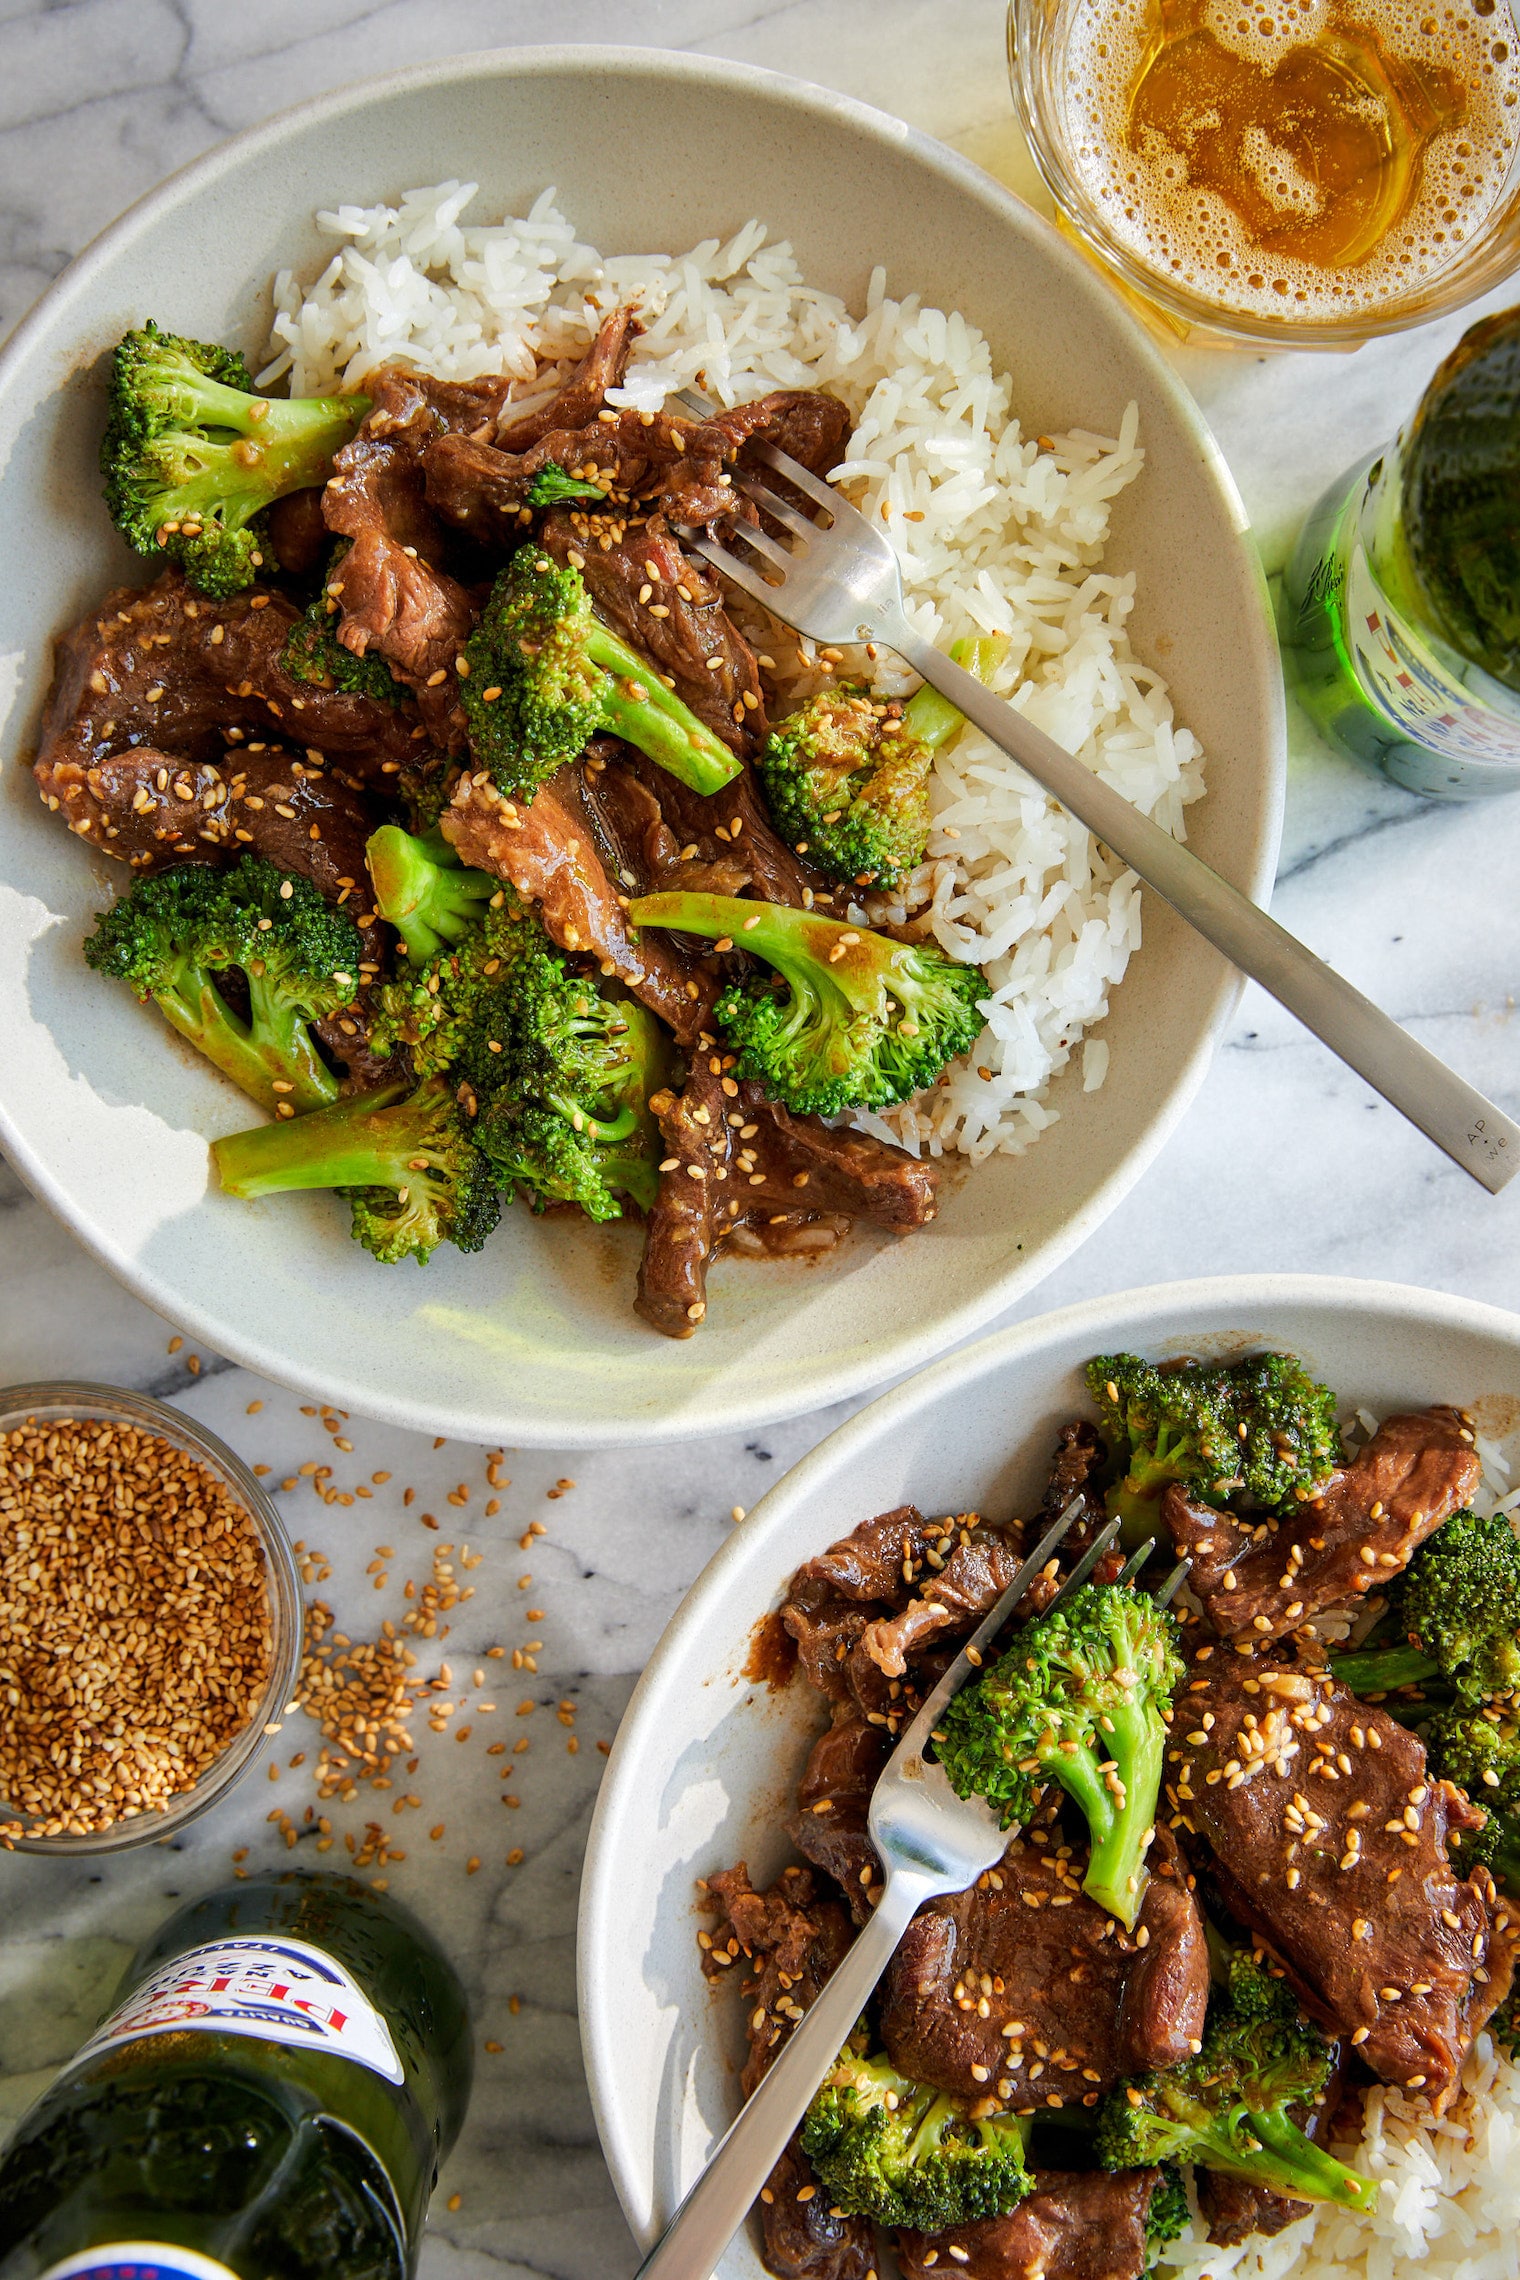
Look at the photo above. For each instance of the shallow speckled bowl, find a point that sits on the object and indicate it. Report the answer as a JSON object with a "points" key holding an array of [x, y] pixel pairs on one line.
{"points": [[107, 1115], [705, 1764]]}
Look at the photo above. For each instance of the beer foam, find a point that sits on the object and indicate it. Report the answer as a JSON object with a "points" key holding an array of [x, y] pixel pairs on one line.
{"points": [[1189, 235]]}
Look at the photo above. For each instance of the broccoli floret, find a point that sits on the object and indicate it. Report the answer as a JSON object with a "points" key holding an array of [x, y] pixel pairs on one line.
{"points": [[1480, 1751], [847, 780], [1458, 1606], [1261, 1427], [1079, 1698], [862, 1022], [192, 456], [314, 653], [1229, 2108], [173, 932], [893, 2149], [424, 890], [559, 1072], [1167, 2214], [404, 1159], [551, 487], [545, 675]]}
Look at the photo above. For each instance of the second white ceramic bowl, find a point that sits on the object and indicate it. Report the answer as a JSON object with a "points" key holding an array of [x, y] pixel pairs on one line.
{"points": [[705, 1765], [107, 1115]]}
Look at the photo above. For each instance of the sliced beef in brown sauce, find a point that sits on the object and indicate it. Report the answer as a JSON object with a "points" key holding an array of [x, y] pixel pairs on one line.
{"points": [[157, 676], [740, 1166], [627, 455], [833, 1799], [807, 425], [1355, 1536], [1077, 1471], [538, 849], [625, 800], [749, 849], [585, 392], [1024, 1989], [1078, 2224], [786, 1942], [1329, 1840], [695, 644], [399, 600]]}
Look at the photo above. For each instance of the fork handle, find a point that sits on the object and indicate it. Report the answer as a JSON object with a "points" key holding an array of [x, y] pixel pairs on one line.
{"points": [[1449, 1111], [715, 2208]]}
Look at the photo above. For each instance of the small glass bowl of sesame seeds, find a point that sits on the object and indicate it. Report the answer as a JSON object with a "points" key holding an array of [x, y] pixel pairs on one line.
{"points": [[150, 1619]]}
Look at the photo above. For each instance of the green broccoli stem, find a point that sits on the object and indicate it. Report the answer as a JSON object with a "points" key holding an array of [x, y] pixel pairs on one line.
{"points": [[1116, 1873], [196, 1008], [353, 1143], [310, 1082], [1289, 2162], [933, 719], [796, 942], [290, 438], [1384, 1669], [638, 707]]}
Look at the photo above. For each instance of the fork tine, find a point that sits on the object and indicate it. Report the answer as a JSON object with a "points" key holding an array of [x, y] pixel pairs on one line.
{"points": [[1173, 1583], [1136, 1562], [763, 543], [743, 574], [799, 475], [1085, 1565], [780, 509]]}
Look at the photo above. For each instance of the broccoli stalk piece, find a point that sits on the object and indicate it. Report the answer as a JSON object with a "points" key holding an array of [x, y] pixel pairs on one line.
{"points": [[1080, 1699], [863, 1021], [544, 675], [1459, 1607], [551, 487], [192, 456], [313, 652], [893, 2149], [424, 890], [1229, 2108], [1480, 1751], [173, 932], [404, 1159], [848, 783], [1260, 1426], [560, 1073]]}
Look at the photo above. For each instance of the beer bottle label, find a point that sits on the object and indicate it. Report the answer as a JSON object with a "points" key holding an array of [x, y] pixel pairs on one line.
{"points": [[273, 1990], [138, 2260]]}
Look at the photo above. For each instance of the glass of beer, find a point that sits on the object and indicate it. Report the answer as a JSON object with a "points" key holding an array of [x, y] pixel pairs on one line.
{"points": [[1306, 173]]}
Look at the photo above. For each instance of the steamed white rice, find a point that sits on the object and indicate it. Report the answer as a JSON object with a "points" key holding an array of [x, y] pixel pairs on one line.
{"points": [[997, 533]]}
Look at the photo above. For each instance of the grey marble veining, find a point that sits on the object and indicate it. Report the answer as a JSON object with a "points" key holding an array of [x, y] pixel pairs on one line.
{"points": [[1285, 1162]]}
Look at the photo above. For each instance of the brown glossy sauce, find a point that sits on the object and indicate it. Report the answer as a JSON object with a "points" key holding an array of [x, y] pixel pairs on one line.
{"points": [[772, 1653]]}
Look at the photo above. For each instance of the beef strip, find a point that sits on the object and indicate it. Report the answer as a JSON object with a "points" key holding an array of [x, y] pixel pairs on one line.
{"points": [[791, 1941], [583, 394], [629, 455], [1026, 1949], [1077, 1470], [398, 599], [833, 1599], [621, 798], [539, 851], [741, 1162], [1329, 1840], [833, 1799], [1358, 1533], [1077, 2224], [159, 675], [972, 1580], [704, 655], [298, 533], [807, 425], [749, 848]]}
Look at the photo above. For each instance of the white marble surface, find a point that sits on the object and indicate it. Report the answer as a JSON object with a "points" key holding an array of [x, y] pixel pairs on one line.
{"points": [[1285, 1162]]}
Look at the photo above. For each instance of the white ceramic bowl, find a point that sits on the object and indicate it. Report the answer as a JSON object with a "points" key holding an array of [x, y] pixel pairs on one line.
{"points": [[705, 1764], [107, 1116]]}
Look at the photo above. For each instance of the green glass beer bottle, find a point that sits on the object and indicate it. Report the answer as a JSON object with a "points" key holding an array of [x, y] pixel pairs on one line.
{"points": [[1401, 603], [285, 2067]]}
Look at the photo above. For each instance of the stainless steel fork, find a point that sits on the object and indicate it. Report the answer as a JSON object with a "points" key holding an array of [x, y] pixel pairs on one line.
{"points": [[838, 582], [929, 1841]]}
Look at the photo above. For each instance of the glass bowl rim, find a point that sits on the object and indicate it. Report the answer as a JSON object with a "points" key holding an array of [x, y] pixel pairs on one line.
{"points": [[57, 1399], [1215, 325]]}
